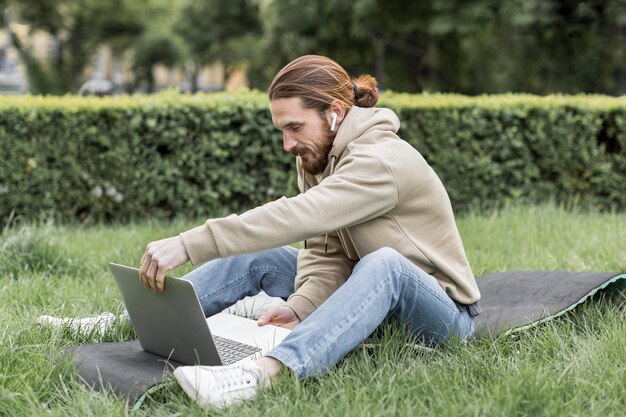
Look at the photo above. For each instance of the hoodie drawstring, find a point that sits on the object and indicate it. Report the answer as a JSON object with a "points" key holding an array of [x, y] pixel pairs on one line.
{"points": [[333, 158]]}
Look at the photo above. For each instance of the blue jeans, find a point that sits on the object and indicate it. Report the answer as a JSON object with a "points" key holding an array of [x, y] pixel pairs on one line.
{"points": [[384, 287]]}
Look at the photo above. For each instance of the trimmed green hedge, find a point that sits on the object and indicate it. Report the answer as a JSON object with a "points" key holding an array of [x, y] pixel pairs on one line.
{"points": [[495, 149], [121, 158]]}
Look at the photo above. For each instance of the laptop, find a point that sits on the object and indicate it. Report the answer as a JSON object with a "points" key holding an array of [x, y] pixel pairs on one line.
{"points": [[172, 325]]}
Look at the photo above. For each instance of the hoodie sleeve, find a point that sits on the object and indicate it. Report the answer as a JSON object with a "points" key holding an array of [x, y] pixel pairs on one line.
{"points": [[360, 189]]}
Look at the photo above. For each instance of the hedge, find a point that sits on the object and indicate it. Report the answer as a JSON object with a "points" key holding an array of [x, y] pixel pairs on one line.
{"points": [[128, 157]]}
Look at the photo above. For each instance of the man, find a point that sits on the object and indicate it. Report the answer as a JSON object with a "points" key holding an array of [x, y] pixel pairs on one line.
{"points": [[380, 241]]}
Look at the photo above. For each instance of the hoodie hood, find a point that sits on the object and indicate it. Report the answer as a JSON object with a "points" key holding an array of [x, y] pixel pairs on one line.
{"points": [[360, 122]]}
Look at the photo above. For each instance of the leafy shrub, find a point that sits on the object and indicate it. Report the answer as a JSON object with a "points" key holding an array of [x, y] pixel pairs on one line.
{"points": [[120, 158], [495, 149]]}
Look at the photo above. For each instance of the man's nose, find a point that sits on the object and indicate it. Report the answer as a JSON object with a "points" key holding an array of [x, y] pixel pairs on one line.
{"points": [[288, 142]]}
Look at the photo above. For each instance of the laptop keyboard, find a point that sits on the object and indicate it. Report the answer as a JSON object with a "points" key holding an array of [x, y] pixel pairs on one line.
{"points": [[231, 351]]}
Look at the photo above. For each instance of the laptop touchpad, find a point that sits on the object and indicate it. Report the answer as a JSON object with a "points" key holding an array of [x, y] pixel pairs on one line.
{"points": [[245, 331], [264, 337]]}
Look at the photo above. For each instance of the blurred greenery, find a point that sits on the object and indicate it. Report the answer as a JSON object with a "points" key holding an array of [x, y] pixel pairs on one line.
{"points": [[462, 46], [470, 47], [155, 47], [218, 31]]}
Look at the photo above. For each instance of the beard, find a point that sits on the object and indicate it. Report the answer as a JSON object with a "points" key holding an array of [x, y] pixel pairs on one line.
{"points": [[314, 156]]}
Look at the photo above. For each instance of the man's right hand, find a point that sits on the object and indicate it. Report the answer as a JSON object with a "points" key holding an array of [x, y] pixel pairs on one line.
{"points": [[160, 257], [281, 316]]}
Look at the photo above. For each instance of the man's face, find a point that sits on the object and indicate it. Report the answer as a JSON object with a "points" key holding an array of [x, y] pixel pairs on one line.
{"points": [[305, 133]]}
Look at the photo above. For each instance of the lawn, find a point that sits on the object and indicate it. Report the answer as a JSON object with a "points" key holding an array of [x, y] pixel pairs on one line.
{"points": [[572, 366]]}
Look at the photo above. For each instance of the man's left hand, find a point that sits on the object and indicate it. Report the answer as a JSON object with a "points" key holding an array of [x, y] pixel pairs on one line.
{"points": [[281, 316], [160, 257]]}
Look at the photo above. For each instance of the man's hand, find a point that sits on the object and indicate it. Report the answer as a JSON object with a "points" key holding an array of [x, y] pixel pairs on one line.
{"points": [[160, 257], [281, 316]]}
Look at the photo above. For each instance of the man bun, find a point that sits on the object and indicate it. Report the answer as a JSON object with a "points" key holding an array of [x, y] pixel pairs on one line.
{"points": [[366, 91]]}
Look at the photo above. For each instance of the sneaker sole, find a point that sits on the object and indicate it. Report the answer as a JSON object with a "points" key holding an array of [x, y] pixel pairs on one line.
{"points": [[185, 384]]}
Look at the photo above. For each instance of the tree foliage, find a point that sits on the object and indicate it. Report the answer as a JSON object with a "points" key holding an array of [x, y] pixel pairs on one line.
{"points": [[154, 48], [467, 46], [218, 31]]}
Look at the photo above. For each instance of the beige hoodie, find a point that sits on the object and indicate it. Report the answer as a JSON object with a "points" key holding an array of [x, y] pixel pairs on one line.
{"points": [[377, 191]]}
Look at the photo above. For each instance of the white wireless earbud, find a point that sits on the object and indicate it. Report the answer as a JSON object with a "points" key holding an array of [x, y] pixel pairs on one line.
{"points": [[333, 121]]}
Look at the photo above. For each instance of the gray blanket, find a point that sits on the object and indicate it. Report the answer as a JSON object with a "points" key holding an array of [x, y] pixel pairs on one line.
{"points": [[515, 300], [510, 301]]}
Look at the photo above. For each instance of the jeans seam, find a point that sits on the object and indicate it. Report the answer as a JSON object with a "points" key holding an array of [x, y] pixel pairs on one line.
{"points": [[434, 294], [225, 287], [411, 275], [269, 269]]}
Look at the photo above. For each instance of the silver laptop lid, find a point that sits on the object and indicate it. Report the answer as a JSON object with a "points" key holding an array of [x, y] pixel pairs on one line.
{"points": [[170, 324]]}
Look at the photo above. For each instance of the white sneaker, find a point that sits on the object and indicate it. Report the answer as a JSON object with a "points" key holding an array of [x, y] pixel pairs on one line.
{"points": [[86, 325], [254, 307], [220, 386]]}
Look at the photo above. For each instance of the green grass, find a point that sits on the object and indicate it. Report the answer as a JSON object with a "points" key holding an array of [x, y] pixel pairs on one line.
{"points": [[571, 366]]}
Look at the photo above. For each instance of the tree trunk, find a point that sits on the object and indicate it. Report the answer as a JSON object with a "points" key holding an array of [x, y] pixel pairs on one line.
{"points": [[379, 49], [195, 74], [150, 81]]}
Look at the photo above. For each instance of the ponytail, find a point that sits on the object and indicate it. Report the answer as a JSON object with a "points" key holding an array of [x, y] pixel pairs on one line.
{"points": [[366, 91]]}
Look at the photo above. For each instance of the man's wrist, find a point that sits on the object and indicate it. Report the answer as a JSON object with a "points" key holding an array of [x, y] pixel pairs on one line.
{"points": [[199, 244], [294, 312], [301, 306]]}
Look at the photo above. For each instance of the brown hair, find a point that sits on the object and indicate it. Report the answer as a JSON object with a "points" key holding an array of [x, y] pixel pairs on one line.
{"points": [[319, 81]]}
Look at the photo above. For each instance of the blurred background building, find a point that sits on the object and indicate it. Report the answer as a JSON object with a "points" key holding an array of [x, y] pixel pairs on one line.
{"points": [[12, 79], [106, 72]]}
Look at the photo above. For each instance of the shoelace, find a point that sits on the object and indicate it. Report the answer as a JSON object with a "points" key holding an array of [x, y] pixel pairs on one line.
{"points": [[236, 377]]}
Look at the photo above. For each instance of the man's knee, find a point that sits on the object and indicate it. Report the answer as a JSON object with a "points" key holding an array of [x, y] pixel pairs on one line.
{"points": [[384, 254], [383, 258], [383, 267], [270, 256]]}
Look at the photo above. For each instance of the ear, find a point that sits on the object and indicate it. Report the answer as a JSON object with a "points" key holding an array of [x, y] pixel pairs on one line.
{"points": [[338, 108]]}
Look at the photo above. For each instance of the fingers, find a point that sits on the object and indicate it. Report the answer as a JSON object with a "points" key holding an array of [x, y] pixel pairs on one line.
{"points": [[143, 258], [159, 280], [263, 320], [151, 275], [269, 316], [282, 316], [153, 269], [146, 260], [160, 257]]}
